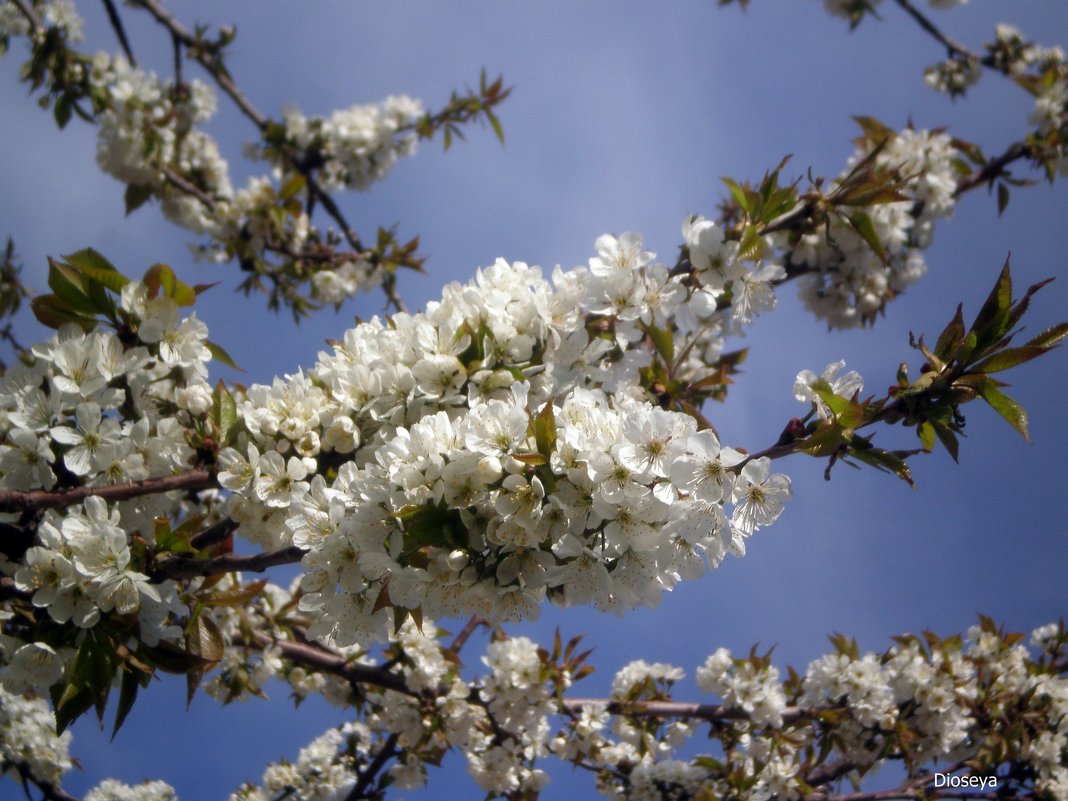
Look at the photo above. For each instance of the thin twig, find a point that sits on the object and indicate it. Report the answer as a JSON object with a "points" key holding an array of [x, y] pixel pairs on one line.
{"points": [[50, 791], [32, 500], [182, 184], [993, 169], [176, 44], [319, 657], [465, 634], [27, 12], [210, 61], [367, 775], [182, 567], [675, 709], [954, 47], [120, 31]]}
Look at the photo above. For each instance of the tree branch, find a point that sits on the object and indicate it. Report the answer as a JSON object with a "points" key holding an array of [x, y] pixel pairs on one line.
{"points": [[120, 31], [33, 500], [367, 775], [993, 169], [27, 12], [954, 47], [182, 567], [675, 709], [465, 634], [50, 792], [209, 60], [319, 657]]}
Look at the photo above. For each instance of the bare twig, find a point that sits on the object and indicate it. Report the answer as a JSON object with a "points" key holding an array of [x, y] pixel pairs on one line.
{"points": [[183, 185], [993, 169], [368, 774], [120, 31], [32, 500], [27, 12], [321, 658], [49, 791], [182, 567], [206, 58], [465, 634], [954, 47], [674, 709]]}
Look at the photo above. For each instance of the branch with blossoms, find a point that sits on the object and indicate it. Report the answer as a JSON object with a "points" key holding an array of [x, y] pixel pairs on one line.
{"points": [[150, 140], [964, 716], [528, 438], [582, 489]]}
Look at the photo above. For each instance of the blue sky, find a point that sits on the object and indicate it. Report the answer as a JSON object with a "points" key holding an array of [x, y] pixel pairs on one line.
{"points": [[624, 117]]}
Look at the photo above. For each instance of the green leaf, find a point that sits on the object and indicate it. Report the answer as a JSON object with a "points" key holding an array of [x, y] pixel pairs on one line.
{"points": [[752, 245], [951, 337], [545, 429], [217, 352], [1010, 357], [235, 597], [89, 681], [989, 324], [54, 312], [136, 196], [1049, 337], [743, 198], [835, 403], [161, 276], [926, 433], [204, 640], [91, 264], [223, 413], [873, 129], [62, 111], [171, 658], [948, 438], [1001, 403], [531, 458], [663, 341], [128, 689], [495, 124], [827, 440], [68, 286], [863, 225], [886, 461], [293, 186], [1003, 198]]}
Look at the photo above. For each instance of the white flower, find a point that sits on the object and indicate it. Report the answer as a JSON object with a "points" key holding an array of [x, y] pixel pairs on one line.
{"points": [[844, 386], [92, 440], [619, 254], [759, 497], [704, 469], [279, 482], [25, 461]]}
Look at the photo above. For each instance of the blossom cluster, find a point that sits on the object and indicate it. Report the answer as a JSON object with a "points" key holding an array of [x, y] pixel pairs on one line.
{"points": [[948, 701], [150, 137], [1040, 70], [933, 696], [496, 450], [326, 769], [853, 270], [91, 410], [59, 14], [353, 147], [148, 126], [28, 739]]}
